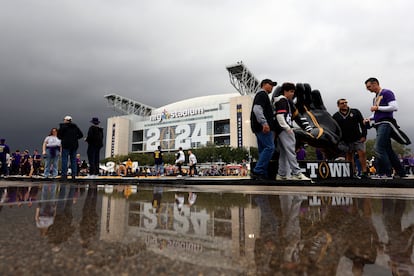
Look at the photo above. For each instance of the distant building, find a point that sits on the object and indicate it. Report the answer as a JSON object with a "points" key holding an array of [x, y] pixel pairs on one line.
{"points": [[218, 119]]}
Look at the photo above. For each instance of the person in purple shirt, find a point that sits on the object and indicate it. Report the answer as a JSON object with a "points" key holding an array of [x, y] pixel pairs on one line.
{"points": [[411, 163], [25, 165], [300, 154], [384, 105], [15, 163]]}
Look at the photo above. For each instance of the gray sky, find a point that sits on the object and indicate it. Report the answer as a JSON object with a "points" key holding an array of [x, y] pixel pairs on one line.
{"points": [[61, 57]]}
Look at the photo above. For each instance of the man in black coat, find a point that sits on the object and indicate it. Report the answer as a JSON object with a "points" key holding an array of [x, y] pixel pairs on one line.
{"points": [[69, 134], [95, 143]]}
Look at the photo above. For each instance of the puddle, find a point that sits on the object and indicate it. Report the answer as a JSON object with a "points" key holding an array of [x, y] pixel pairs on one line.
{"points": [[106, 229]]}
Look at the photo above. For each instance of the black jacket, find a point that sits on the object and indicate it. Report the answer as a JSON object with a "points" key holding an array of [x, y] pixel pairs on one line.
{"points": [[95, 136], [261, 98], [69, 134]]}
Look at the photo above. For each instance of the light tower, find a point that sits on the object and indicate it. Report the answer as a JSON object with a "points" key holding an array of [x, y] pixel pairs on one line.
{"points": [[128, 106], [242, 79]]}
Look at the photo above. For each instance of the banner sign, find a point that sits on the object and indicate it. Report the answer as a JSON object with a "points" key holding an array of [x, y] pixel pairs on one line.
{"points": [[326, 169], [239, 126]]}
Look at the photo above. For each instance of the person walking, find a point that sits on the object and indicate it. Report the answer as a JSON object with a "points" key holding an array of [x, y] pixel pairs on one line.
{"points": [[180, 159], [95, 143], [158, 161], [286, 141], [51, 149], [383, 107], [192, 160], [69, 134], [263, 126], [354, 134], [4, 150]]}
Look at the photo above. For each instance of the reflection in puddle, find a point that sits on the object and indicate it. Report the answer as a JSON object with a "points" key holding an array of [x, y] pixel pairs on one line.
{"points": [[253, 234]]}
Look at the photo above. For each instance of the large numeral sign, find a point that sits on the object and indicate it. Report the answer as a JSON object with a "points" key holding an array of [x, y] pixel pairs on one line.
{"points": [[177, 136]]}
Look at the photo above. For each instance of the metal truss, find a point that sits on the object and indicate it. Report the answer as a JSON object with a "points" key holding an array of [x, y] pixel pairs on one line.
{"points": [[242, 79], [128, 106]]}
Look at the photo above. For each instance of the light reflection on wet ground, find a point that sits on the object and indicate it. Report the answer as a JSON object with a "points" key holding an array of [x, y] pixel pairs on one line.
{"points": [[110, 229]]}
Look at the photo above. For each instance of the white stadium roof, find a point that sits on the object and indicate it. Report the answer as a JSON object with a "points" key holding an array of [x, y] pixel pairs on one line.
{"points": [[128, 106], [204, 101]]}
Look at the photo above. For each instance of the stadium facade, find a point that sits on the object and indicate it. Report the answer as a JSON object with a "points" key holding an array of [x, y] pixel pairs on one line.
{"points": [[222, 119]]}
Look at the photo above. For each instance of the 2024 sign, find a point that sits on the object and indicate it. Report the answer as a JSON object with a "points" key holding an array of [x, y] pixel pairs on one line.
{"points": [[173, 137]]}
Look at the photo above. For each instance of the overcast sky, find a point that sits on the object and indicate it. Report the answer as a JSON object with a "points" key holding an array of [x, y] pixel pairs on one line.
{"points": [[60, 58]]}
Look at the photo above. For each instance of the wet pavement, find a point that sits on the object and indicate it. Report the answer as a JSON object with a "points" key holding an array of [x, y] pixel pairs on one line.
{"points": [[104, 229]]}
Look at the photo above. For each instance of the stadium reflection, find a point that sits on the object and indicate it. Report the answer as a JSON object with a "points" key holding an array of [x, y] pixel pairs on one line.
{"points": [[253, 234]]}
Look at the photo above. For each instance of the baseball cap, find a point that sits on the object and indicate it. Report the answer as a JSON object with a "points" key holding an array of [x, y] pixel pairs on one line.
{"points": [[269, 81], [68, 118]]}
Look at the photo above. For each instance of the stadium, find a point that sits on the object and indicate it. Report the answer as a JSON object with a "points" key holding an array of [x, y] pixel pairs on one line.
{"points": [[222, 119]]}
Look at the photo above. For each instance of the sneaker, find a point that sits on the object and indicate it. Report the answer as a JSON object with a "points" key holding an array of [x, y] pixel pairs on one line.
{"points": [[381, 176], [179, 175], [300, 176], [261, 177], [257, 176], [281, 177]]}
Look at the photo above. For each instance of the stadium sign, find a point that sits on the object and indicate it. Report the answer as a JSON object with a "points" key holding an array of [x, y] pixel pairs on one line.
{"points": [[165, 115]]}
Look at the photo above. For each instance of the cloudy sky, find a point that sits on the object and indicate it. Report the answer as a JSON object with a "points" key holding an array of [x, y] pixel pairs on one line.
{"points": [[60, 57]]}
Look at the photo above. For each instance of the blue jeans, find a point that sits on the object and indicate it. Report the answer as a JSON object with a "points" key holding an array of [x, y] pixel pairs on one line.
{"points": [[51, 162], [266, 147], [159, 169], [386, 157], [71, 153]]}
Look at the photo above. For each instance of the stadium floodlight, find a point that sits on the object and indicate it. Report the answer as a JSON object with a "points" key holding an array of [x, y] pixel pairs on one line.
{"points": [[128, 106], [242, 79]]}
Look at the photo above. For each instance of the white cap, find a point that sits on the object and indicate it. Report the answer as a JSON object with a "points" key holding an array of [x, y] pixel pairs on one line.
{"points": [[68, 118]]}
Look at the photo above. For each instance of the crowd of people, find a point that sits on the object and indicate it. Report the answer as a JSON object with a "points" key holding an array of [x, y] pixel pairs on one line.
{"points": [[19, 163], [60, 143], [272, 123]]}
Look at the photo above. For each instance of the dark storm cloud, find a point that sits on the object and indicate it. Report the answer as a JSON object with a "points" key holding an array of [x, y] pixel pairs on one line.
{"points": [[62, 57]]}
